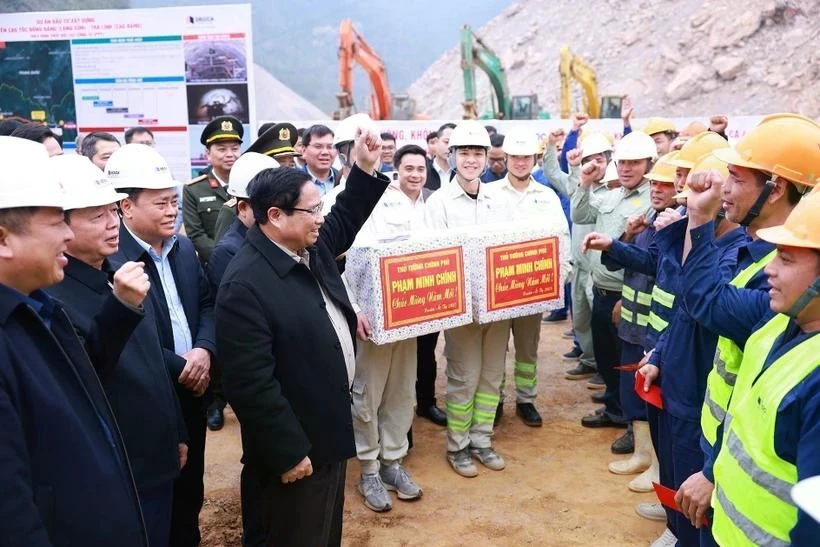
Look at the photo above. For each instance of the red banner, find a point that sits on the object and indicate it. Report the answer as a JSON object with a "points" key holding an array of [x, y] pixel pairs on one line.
{"points": [[522, 273], [423, 286]]}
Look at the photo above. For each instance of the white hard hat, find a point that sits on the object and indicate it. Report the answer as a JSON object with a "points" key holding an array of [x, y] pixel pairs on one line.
{"points": [[595, 143], [636, 146], [470, 133], [84, 183], [346, 130], [27, 179], [244, 169], [520, 141], [611, 173], [138, 166]]}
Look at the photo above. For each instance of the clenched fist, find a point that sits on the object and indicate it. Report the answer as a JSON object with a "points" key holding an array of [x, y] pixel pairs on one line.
{"points": [[718, 124], [368, 147], [703, 202], [579, 119], [131, 283], [303, 469], [591, 173], [574, 157]]}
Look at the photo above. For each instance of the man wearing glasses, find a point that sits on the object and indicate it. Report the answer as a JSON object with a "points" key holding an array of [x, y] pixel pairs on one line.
{"points": [[318, 156], [285, 333]]}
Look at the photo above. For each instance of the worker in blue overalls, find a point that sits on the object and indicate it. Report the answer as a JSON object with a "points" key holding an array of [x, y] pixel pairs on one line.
{"points": [[769, 169]]}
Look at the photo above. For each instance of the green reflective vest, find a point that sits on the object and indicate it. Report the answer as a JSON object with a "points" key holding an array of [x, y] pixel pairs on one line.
{"points": [[728, 356], [751, 499]]}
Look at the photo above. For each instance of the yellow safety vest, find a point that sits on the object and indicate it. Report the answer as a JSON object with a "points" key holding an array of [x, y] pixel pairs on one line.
{"points": [[751, 499], [727, 360]]}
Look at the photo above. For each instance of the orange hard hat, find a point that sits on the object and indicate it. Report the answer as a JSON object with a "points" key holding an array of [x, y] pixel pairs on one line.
{"points": [[697, 147], [785, 145]]}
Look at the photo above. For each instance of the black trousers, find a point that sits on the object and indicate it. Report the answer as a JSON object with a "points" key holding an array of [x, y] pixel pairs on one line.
{"points": [[250, 489], [189, 488], [307, 512], [607, 347], [215, 387], [426, 370]]}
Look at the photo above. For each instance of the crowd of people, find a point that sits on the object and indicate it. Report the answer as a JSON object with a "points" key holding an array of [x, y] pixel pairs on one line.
{"points": [[134, 309]]}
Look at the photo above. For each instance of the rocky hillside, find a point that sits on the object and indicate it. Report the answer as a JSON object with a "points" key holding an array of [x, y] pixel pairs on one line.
{"points": [[674, 58]]}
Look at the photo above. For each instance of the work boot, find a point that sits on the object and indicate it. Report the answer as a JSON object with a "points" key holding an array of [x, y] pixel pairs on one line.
{"points": [[462, 463], [396, 479], [596, 382], [651, 511], [581, 371], [642, 457], [667, 539], [499, 412], [643, 482], [374, 493], [528, 414], [625, 444], [489, 458]]}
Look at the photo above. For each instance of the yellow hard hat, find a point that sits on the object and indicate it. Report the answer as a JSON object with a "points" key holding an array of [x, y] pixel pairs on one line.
{"points": [[697, 147], [663, 171], [658, 125], [709, 163], [786, 145], [692, 129], [802, 227]]}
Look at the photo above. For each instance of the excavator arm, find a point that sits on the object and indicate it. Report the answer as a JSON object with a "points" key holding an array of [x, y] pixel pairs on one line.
{"points": [[354, 49], [475, 53], [572, 67]]}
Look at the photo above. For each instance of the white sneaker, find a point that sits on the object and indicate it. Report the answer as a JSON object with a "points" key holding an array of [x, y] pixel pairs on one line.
{"points": [[651, 511], [667, 539]]}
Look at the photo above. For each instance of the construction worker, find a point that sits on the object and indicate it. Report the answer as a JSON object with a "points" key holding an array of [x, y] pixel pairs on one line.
{"points": [[692, 152], [769, 169], [639, 327], [770, 435], [65, 477], [203, 197], [634, 156], [663, 132], [157, 446], [683, 357], [276, 142], [383, 390], [475, 353], [595, 148], [531, 202]]}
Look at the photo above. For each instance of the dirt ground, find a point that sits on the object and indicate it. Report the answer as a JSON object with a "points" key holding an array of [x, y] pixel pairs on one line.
{"points": [[556, 489]]}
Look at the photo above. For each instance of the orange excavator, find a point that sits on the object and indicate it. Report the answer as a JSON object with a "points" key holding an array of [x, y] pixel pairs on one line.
{"points": [[383, 105]]}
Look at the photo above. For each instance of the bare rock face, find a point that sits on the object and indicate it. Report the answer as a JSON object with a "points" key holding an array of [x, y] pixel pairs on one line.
{"points": [[686, 83], [693, 57], [728, 67], [733, 29]]}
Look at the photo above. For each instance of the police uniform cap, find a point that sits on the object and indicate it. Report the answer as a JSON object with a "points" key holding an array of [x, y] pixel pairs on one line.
{"points": [[278, 141], [223, 128]]}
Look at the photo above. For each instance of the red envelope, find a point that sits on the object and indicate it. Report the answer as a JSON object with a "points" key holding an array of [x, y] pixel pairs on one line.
{"points": [[653, 396], [628, 368], [667, 498]]}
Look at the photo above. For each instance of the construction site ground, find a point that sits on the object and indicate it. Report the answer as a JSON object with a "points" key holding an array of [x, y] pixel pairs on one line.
{"points": [[556, 489]]}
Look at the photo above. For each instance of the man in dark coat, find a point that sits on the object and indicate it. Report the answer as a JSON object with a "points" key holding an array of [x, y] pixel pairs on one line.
{"points": [[65, 477], [139, 385], [285, 332], [179, 301]]}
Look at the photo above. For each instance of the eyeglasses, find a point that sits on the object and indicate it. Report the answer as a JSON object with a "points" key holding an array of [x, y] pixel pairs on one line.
{"points": [[315, 211]]}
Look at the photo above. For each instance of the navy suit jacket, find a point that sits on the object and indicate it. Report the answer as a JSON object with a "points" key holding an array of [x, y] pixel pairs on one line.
{"points": [[64, 478], [193, 289]]}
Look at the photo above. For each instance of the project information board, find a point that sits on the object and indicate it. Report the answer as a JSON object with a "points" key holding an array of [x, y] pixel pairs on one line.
{"points": [[171, 70]]}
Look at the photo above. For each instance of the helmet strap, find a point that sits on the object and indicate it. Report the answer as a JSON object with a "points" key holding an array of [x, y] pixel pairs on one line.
{"points": [[754, 212], [812, 292]]}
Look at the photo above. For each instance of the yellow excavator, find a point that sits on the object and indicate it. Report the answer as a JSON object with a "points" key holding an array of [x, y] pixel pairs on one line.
{"points": [[572, 67]]}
